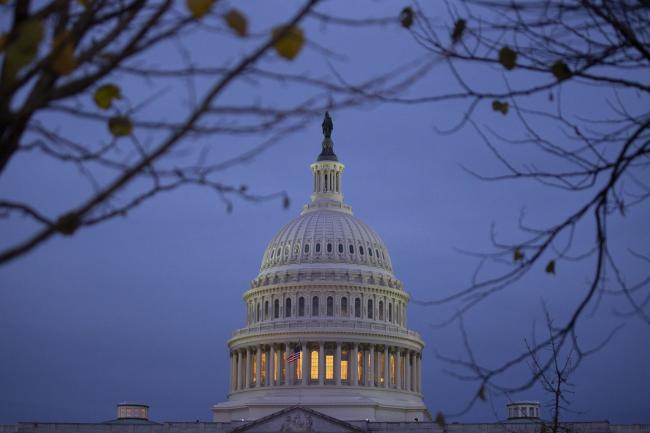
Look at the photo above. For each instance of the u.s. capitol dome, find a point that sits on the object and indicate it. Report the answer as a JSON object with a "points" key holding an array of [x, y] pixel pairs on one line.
{"points": [[326, 319]]}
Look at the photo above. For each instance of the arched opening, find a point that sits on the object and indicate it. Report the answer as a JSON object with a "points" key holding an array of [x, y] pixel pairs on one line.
{"points": [[357, 307], [381, 310], [276, 309], [370, 309], [330, 306], [344, 307], [301, 306], [390, 312], [314, 306], [287, 307]]}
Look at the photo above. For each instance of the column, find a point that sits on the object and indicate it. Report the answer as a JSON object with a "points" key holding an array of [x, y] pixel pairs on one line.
{"points": [[354, 378], [407, 363], [290, 365], [247, 372], [398, 368], [240, 367], [321, 363], [258, 366], [417, 372], [371, 367], [233, 371], [337, 364], [386, 366], [272, 365], [305, 364]]}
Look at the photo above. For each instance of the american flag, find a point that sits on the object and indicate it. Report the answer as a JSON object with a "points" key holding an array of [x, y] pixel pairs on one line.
{"points": [[295, 355]]}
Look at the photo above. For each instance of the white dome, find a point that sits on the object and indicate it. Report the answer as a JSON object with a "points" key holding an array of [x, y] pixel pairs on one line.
{"points": [[326, 238]]}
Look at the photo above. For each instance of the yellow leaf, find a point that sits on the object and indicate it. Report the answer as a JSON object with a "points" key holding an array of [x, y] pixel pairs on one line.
{"points": [[560, 70], [406, 17], [459, 29], [64, 61], [120, 126], [517, 255], [105, 94], [550, 267], [507, 57], [199, 8], [289, 45], [500, 106], [440, 420], [237, 21], [22, 50]]}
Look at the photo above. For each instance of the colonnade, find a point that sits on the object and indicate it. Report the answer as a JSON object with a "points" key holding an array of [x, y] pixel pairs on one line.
{"points": [[325, 363]]}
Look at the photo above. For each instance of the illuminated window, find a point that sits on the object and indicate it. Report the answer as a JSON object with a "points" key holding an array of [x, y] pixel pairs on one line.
{"points": [[329, 248], [393, 369], [314, 365], [360, 366], [301, 306], [344, 365], [298, 363], [314, 306], [276, 309], [381, 310], [329, 367], [380, 375], [287, 309], [330, 306], [284, 366], [369, 308], [263, 368], [253, 367], [276, 362], [344, 306], [357, 307]]}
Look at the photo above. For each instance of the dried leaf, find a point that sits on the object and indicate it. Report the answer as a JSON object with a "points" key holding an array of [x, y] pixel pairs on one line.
{"points": [[459, 29], [499, 106], [550, 267], [440, 420], [560, 70], [198, 8], [105, 94], [63, 48], [286, 202], [406, 17], [508, 58], [68, 223], [22, 50], [290, 44], [120, 126], [517, 255], [481, 393], [237, 21]]}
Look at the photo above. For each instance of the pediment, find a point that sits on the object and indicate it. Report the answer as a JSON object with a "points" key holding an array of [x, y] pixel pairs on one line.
{"points": [[298, 419]]}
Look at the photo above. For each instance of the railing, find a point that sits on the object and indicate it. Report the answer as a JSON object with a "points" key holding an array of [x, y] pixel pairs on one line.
{"points": [[311, 324]]}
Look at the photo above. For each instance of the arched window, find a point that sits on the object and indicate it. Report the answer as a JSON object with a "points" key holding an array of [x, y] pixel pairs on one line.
{"points": [[369, 308], [370, 252], [318, 247], [361, 250], [259, 309], [314, 365], [330, 306], [344, 306], [357, 307], [266, 310], [381, 310], [383, 256], [377, 252], [287, 308], [301, 306], [276, 309], [306, 248], [390, 312], [314, 306], [340, 248], [351, 249], [329, 248]]}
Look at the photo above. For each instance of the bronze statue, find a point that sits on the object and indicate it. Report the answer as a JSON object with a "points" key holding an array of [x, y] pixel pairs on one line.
{"points": [[328, 126]]}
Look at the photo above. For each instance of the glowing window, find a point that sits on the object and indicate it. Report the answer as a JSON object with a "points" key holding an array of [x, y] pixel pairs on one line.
{"points": [[314, 365], [360, 366], [276, 362], [284, 366], [253, 367], [330, 306], [298, 363], [344, 365], [329, 367], [380, 375], [263, 368], [393, 369]]}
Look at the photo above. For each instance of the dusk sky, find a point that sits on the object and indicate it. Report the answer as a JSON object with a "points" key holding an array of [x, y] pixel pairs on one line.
{"points": [[141, 308]]}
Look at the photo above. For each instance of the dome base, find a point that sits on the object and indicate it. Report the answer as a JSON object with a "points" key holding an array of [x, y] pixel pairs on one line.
{"points": [[344, 403]]}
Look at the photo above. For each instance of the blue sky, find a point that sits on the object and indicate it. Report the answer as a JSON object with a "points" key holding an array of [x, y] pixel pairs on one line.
{"points": [[141, 308]]}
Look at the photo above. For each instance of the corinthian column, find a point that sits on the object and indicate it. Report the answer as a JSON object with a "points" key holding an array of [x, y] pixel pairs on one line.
{"points": [[321, 363], [354, 379], [337, 364], [249, 364], [258, 366]]}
